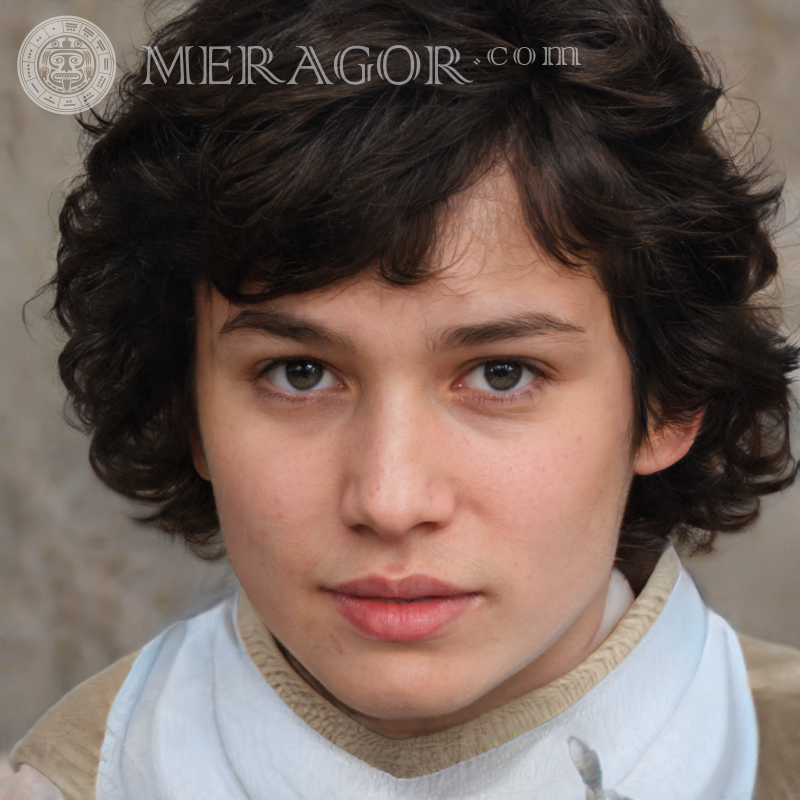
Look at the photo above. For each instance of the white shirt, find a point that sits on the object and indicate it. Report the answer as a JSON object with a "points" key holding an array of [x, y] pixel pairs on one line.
{"points": [[673, 720]]}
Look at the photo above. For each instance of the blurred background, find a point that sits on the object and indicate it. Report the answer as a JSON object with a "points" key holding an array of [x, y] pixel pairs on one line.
{"points": [[80, 585]]}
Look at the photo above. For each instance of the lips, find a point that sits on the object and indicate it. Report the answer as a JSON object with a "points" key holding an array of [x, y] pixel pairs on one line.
{"points": [[411, 609]]}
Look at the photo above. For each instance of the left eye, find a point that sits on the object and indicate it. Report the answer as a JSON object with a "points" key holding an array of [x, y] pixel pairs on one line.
{"points": [[499, 376], [300, 375]]}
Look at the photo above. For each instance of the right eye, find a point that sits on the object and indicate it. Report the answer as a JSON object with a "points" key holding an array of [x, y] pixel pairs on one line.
{"points": [[300, 375]]}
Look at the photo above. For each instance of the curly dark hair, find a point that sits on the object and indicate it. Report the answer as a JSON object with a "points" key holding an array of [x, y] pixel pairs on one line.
{"points": [[295, 187]]}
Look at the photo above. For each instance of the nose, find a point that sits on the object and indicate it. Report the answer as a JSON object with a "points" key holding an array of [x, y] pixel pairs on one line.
{"points": [[396, 477]]}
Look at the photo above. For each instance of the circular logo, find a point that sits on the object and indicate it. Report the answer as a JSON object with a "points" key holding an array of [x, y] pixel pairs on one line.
{"points": [[66, 65]]}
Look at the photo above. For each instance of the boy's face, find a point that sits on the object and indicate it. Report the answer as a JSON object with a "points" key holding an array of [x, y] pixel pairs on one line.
{"points": [[474, 430]]}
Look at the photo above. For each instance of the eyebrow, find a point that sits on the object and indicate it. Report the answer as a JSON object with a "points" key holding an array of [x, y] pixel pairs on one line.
{"points": [[288, 326], [519, 327]]}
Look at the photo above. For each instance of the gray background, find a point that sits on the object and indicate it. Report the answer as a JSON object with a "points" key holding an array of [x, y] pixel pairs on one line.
{"points": [[79, 584]]}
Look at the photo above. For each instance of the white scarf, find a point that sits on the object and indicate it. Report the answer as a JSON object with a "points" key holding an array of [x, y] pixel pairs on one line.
{"points": [[196, 720]]}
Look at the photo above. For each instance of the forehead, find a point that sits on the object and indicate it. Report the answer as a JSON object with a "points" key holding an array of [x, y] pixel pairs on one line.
{"points": [[485, 265], [482, 232]]}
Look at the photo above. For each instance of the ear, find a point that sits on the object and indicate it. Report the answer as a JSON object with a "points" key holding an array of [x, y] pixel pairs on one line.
{"points": [[666, 445], [198, 456]]}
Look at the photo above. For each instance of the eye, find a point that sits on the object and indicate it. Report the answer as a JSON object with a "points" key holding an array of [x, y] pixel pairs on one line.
{"points": [[300, 375], [500, 376]]}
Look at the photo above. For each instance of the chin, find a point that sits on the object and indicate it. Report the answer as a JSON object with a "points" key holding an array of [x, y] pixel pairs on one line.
{"points": [[397, 700]]}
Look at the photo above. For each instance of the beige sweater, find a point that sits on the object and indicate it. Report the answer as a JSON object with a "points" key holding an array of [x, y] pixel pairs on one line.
{"points": [[65, 744]]}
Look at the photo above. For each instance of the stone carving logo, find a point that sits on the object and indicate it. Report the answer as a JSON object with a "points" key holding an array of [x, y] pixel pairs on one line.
{"points": [[66, 65]]}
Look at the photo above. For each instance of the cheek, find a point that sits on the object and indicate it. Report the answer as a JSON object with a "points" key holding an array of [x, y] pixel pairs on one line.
{"points": [[561, 518], [562, 489], [272, 498]]}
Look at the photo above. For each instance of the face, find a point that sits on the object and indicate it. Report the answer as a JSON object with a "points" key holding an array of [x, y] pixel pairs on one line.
{"points": [[420, 489]]}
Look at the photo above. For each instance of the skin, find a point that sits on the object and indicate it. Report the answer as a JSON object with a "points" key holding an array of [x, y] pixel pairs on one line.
{"points": [[405, 459]]}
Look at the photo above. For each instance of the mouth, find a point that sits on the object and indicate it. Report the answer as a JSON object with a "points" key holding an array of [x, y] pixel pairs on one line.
{"points": [[401, 599], [411, 609]]}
